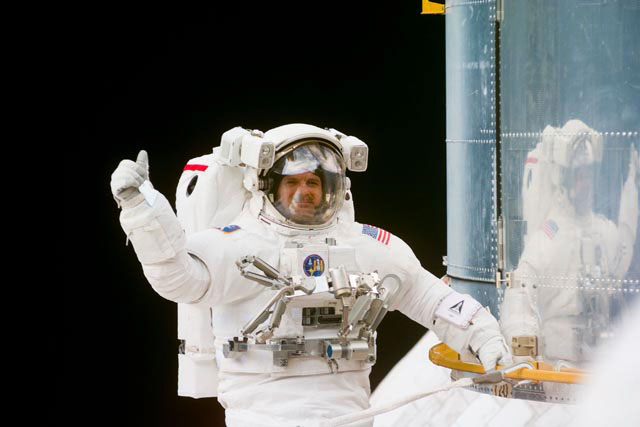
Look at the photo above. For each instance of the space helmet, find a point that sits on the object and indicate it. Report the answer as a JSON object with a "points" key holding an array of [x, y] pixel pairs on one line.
{"points": [[575, 152], [306, 186]]}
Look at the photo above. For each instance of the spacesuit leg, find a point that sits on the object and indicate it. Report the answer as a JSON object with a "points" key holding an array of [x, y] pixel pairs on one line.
{"points": [[263, 400]]}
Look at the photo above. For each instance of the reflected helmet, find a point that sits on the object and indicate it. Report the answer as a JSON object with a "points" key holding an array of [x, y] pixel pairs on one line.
{"points": [[574, 152]]}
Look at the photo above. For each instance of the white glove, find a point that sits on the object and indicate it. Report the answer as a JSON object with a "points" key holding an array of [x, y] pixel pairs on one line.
{"points": [[468, 328], [493, 352], [127, 179]]}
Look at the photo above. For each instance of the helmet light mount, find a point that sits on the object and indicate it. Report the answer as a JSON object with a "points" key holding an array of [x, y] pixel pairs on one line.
{"points": [[241, 147]]}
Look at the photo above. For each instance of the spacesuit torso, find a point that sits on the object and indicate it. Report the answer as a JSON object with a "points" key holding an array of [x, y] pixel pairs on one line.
{"points": [[565, 260], [235, 300]]}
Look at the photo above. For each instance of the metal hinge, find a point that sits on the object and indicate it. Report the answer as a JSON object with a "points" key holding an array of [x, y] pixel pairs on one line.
{"points": [[500, 280], [501, 254]]}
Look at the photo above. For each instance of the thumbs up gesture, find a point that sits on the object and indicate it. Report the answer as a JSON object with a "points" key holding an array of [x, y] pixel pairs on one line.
{"points": [[127, 179]]}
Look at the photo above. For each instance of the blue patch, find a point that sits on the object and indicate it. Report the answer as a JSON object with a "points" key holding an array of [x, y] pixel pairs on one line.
{"points": [[313, 265], [229, 229]]}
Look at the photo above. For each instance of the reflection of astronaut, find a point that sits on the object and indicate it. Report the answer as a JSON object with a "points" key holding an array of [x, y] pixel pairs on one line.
{"points": [[567, 279], [285, 357]]}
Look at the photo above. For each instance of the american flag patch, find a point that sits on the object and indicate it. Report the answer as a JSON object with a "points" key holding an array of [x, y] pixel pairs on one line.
{"points": [[550, 228], [377, 233]]}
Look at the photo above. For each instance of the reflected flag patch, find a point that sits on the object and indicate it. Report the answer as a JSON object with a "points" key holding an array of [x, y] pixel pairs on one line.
{"points": [[379, 234], [550, 228]]}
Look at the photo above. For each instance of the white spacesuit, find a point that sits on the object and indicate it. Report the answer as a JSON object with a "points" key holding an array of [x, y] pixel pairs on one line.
{"points": [[296, 286], [569, 273]]}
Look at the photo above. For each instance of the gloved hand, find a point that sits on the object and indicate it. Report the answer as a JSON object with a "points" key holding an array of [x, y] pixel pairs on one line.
{"points": [[127, 179], [470, 329], [488, 344], [493, 352]]}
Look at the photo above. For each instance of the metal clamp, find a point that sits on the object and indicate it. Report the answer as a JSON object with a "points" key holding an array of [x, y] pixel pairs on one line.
{"points": [[494, 377]]}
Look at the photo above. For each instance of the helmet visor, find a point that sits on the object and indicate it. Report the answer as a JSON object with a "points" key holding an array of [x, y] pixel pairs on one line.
{"points": [[306, 184]]}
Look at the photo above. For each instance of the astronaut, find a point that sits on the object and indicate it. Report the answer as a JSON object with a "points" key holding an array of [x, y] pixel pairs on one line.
{"points": [[567, 288], [296, 285]]}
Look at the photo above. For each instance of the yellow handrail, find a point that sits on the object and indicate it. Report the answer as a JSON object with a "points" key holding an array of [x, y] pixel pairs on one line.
{"points": [[443, 355]]}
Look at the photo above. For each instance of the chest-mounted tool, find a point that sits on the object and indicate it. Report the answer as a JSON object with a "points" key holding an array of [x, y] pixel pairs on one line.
{"points": [[340, 313]]}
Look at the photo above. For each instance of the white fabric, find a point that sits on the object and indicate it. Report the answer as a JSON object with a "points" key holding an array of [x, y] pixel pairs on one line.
{"points": [[261, 400], [159, 242], [217, 197], [394, 404]]}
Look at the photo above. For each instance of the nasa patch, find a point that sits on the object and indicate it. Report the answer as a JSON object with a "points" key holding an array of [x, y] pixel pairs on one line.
{"points": [[313, 265], [229, 229]]}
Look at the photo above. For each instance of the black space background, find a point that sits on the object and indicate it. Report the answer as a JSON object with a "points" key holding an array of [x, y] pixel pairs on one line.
{"points": [[171, 80]]}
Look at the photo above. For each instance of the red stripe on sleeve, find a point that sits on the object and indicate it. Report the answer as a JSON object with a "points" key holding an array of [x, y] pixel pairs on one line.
{"points": [[196, 167]]}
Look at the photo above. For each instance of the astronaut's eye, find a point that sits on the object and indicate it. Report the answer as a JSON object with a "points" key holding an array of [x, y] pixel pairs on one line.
{"points": [[313, 182], [192, 185]]}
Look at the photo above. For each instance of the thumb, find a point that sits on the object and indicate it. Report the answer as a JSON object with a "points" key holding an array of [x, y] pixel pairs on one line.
{"points": [[143, 161]]}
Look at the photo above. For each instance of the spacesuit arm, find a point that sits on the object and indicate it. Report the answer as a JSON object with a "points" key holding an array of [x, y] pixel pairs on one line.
{"points": [[427, 300], [627, 219], [159, 243], [518, 313]]}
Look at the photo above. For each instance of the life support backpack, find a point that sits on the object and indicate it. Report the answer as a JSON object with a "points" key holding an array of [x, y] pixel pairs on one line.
{"points": [[209, 194]]}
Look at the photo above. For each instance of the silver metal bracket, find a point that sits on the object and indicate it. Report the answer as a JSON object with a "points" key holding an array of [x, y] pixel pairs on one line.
{"points": [[499, 11], [506, 280], [494, 377]]}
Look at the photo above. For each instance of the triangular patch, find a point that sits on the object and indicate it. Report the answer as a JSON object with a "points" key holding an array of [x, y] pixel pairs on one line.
{"points": [[457, 307]]}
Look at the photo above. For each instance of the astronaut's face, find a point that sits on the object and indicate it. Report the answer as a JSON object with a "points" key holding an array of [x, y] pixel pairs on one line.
{"points": [[581, 189], [301, 196]]}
